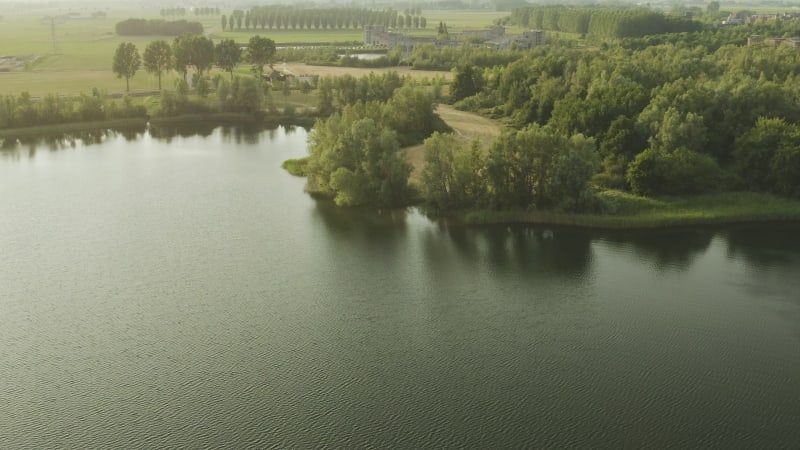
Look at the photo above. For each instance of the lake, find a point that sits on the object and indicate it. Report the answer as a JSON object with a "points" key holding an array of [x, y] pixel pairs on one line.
{"points": [[365, 56], [176, 288]]}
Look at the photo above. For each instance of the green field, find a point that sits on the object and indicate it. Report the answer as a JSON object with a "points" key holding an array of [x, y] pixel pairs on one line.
{"points": [[80, 58]]}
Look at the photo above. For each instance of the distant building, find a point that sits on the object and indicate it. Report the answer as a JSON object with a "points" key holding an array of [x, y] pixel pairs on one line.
{"points": [[527, 40], [733, 22], [377, 36], [773, 42], [495, 32]]}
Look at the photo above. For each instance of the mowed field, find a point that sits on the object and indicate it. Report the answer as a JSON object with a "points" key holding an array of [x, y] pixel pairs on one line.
{"points": [[79, 58]]}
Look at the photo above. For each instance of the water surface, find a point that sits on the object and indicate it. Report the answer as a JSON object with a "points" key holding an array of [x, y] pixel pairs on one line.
{"points": [[177, 289]]}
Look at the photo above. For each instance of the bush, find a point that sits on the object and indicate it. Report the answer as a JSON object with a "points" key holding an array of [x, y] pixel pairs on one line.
{"points": [[785, 166], [682, 172], [297, 167]]}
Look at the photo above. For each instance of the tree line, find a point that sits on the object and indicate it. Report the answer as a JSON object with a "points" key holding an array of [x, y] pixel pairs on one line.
{"points": [[192, 52], [22, 110], [157, 27], [602, 22], [535, 167], [299, 18]]}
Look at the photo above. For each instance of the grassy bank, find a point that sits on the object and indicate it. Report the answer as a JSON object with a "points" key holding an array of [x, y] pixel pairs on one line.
{"points": [[227, 118], [631, 212], [296, 167], [220, 118], [140, 123], [48, 130]]}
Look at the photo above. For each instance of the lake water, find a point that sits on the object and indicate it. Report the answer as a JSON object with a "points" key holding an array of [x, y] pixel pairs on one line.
{"points": [[366, 56], [181, 291]]}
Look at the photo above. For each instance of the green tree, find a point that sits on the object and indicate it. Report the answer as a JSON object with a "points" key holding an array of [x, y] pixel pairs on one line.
{"points": [[260, 52], [785, 167], [158, 58], [126, 62], [467, 81], [193, 51], [411, 113], [227, 55], [766, 157], [453, 177], [442, 34], [680, 172], [356, 160], [680, 130], [574, 166], [202, 53], [519, 167], [247, 95], [182, 54], [437, 175]]}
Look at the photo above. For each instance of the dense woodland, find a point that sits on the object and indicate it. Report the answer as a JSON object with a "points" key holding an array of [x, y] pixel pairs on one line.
{"points": [[672, 114], [691, 115]]}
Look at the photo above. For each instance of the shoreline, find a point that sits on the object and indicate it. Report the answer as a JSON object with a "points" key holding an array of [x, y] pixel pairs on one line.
{"points": [[143, 122], [606, 222], [69, 127], [727, 208]]}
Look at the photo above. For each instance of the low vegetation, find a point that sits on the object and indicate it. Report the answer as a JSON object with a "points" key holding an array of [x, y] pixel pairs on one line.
{"points": [[21, 111], [631, 211], [297, 167]]}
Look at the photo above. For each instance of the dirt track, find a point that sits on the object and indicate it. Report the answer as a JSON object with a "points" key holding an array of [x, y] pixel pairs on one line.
{"points": [[467, 126], [305, 69]]}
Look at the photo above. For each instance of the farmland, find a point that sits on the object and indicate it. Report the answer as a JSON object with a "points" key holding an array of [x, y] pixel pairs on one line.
{"points": [[74, 55]]}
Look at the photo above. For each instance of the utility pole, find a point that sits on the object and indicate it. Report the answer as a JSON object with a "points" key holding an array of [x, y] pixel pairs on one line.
{"points": [[53, 33]]}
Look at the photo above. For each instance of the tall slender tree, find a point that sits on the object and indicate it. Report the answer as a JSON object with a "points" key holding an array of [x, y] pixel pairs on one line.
{"points": [[158, 58], [182, 52], [126, 62], [227, 55]]}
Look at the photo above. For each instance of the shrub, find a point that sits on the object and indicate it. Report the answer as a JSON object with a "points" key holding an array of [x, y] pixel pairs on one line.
{"points": [[658, 172]]}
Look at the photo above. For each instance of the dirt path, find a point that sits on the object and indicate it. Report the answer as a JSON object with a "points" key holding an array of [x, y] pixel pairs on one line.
{"points": [[470, 126], [305, 69], [466, 125]]}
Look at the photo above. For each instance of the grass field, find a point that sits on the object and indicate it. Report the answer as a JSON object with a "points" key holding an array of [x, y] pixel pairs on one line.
{"points": [[81, 57]]}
